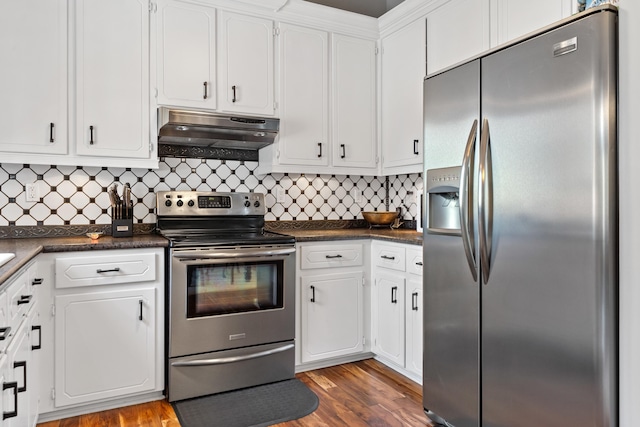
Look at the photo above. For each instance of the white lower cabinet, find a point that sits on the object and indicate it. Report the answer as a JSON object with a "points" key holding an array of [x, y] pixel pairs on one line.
{"points": [[331, 312], [19, 349], [397, 314], [106, 312], [332, 318], [105, 344]]}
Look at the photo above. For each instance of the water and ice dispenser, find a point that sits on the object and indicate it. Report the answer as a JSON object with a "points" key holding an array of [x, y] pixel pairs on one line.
{"points": [[442, 201]]}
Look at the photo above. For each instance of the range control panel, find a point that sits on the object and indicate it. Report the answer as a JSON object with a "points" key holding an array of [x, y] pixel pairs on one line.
{"points": [[201, 203]]}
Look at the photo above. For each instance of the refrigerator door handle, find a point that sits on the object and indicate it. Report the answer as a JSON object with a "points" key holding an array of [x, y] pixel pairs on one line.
{"points": [[466, 201], [485, 202]]}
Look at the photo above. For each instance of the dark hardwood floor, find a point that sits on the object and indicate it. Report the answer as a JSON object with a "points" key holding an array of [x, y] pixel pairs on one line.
{"points": [[364, 393]]}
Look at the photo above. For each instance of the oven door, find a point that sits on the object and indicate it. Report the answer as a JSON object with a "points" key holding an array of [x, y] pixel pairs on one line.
{"points": [[230, 297]]}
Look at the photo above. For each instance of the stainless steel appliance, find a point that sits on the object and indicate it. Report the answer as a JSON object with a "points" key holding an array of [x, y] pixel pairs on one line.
{"points": [[520, 244], [206, 129], [230, 293]]}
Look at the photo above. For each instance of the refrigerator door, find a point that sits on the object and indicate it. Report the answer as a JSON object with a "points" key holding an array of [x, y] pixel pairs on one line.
{"points": [[548, 307], [451, 296]]}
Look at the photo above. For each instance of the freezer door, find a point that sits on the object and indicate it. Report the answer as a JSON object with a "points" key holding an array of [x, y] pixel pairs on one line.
{"points": [[549, 305], [451, 296]]}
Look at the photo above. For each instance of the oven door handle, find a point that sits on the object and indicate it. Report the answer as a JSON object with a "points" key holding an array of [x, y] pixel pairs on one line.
{"points": [[233, 254], [224, 360]]}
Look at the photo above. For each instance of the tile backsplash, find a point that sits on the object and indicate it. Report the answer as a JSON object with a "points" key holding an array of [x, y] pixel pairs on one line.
{"points": [[69, 195]]}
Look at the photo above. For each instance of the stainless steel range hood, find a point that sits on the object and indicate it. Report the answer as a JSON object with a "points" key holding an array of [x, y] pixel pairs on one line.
{"points": [[204, 129]]}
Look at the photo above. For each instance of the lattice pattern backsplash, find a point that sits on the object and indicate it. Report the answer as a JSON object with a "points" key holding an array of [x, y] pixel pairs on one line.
{"points": [[71, 195]]}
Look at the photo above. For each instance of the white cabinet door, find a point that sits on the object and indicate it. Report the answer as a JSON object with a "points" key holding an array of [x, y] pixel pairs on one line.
{"points": [[112, 75], [354, 102], [414, 313], [456, 31], [105, 345], [403, 71], [514, 18], [304, 96], [186, 54], [332, 315], [389, 316], [33, 76], [34, 346], [18, 371], [245, 75]]}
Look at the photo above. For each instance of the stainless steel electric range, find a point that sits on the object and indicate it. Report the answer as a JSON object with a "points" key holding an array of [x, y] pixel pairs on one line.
{"points": [[230, 293]]}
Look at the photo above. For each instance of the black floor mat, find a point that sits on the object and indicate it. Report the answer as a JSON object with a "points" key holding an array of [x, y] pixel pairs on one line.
{"points": [[263, 405]]}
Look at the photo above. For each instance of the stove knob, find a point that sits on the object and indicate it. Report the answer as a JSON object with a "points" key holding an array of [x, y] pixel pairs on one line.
{"points": [[190, 203], [167, 203], [257, 204], [247, 204], [179, 203]]}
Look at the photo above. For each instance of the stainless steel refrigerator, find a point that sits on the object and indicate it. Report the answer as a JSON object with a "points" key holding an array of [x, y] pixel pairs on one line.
{"points": [[520, 244]]}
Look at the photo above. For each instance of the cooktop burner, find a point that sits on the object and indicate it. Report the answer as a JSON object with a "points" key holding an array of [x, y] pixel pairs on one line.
{"points": [[197, 219]]}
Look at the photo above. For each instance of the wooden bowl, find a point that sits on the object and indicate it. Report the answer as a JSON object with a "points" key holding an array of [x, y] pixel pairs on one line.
{"points": [[380, 218]]}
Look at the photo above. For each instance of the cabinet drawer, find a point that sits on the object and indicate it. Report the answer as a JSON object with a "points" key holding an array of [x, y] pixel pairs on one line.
{"points": [[105, 270], [20, 299], [323, 256], [414, 261], [389, 257]]}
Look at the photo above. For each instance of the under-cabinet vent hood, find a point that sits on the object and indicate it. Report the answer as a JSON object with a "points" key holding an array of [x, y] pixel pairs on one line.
{"points": [[204, 129]]}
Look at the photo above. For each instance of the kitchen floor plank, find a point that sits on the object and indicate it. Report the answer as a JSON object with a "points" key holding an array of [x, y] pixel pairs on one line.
{"points": [[359, 394]]}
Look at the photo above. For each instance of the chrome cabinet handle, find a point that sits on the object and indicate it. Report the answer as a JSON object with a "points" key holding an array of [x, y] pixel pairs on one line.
{"points": [[51, 138], [414, 301], [466, 201], [91, 135], [233, 88], [206, 94], [415, 146], [394, 295], [344, 153], [485, 203]]}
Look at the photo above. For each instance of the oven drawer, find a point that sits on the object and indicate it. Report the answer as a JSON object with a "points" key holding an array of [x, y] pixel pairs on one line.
{"points": [[325, 256], [219, 371], [107, 269]]}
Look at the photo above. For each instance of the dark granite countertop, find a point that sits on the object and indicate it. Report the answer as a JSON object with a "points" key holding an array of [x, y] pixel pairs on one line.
{"points": [[26, 249], [400, 235]]}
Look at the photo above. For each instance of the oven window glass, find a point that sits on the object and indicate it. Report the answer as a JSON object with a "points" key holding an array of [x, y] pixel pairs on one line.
{"points": [[215, 289]]}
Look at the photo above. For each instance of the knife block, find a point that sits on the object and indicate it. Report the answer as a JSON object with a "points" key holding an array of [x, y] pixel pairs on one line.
{"points": [[122, 227]]}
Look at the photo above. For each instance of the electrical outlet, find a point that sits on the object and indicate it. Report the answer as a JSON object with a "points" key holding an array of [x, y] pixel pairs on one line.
{"points": [[280, 195], [32, 194], [356, 195]]}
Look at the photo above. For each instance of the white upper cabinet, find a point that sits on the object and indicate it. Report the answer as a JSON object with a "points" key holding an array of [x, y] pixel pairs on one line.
{"points": [[112, 77], [403, 71], [33, 76], [514, 18], [327, 104], [186, 36], [246, 72], [304, 96], [456, 31], [354, 102]]}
